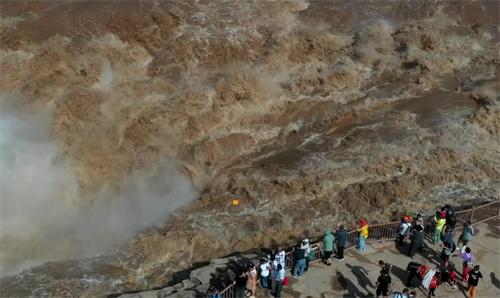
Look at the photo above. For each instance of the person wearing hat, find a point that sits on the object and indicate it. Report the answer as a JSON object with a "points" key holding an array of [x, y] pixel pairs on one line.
{"points": [[363, 234], [307, 247], [328, 246], [404, 229]]}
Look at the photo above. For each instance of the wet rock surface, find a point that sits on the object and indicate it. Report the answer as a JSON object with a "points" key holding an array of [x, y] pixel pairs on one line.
{"points": [[310, 113]]}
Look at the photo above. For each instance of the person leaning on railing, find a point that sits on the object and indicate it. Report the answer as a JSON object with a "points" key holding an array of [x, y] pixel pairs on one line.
{"points": [[240, 285], [341, 236], [265, 271], [328, 246], [299, 263], [363, 234]]}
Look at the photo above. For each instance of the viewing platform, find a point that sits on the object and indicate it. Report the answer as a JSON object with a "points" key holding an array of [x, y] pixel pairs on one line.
{"points": [[357, 274]]}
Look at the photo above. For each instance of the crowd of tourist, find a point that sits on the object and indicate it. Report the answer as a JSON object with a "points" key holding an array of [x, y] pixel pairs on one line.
{"points": [[271, 270]]}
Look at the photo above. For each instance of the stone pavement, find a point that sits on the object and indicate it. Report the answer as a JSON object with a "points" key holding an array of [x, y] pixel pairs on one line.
{"points": [[356, 275]]}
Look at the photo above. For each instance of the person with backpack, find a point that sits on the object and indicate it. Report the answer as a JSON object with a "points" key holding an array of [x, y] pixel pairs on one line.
{"points": [[341, 236], [473, 281], [383, 284], [417, 240], [384, 266], [419, 221], [467, 258], [363, 234], [412, 270], [451, 219], [328, 246], [404, 229], [467, 233], [435, 281], [448, 275], [440, 221]]}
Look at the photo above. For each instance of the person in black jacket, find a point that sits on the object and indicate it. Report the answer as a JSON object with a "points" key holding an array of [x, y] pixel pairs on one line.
{"points": [[473, 281], [412, 269], [417, 239], [299, 257], [341, 236], [451, 219], [240, 285], [383, 284]]}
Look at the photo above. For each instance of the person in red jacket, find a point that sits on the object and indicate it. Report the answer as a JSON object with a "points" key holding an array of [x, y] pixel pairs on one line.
{"points": [[433, 285]]}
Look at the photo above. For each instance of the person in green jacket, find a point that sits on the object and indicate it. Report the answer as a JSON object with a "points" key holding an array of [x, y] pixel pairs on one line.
{"points": [[328, 244], [440, 221]]}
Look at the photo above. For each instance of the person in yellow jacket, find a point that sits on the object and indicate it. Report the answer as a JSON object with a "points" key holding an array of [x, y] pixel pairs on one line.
{"points": [[363, 234], [440, 221]]}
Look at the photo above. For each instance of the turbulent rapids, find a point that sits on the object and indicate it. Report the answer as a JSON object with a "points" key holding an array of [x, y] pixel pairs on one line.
{"points": [[127, 128]]}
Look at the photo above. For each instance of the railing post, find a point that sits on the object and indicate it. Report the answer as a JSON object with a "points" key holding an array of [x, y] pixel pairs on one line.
{"points": [[472, 215]]}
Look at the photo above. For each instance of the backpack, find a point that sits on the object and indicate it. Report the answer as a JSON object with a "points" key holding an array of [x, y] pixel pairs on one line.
{"points": [[451, 211], [386, 278], [452, 220], [412, 266], [445, 276], [434, 283]]}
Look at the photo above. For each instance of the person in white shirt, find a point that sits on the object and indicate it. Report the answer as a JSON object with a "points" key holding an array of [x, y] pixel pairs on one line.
{"points": [[307, 247], [280, 256], [405, 294], [404, 229], [264, 268]]}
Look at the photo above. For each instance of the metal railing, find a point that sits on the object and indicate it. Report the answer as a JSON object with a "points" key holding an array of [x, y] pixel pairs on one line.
{"points": [[390, 231]]}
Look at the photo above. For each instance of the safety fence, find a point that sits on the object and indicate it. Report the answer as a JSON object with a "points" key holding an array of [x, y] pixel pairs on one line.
{"points": [[390, 231]]}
